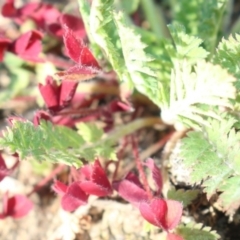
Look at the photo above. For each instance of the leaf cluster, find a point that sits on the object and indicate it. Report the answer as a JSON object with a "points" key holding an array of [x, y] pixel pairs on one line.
{"points": [[212, 154], [57, 144], [193, 231]]}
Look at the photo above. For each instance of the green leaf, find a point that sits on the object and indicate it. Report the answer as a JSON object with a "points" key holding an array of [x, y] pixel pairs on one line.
{"points": [[192, 92], [19, 80], [185, 12], [228, 55], [196, 232], [42, 168], [231, 193], [114, 33], [55, 144], [104, 33], [89, 132], [211, 15], [136, 60], [180, 195], [201, 18], [129, 6], [84, 8], [59, 144], [186, 46], [12, 61], [213, 156]]}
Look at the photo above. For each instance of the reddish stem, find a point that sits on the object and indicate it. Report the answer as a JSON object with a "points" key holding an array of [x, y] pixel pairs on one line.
{"points": [[86, 111], [140, 167], [120, 156], [44, 181]]}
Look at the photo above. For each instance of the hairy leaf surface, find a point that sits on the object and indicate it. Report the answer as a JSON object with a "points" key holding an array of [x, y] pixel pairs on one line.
{"points": [[194, 93], [196, 232], [213, 156], [56, 144]]}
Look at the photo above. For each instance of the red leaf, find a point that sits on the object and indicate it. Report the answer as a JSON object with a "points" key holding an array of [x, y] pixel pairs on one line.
{"points": [[94, 189], [50, 93], [75, 24], [8, 9], [28, 46], [154, 212], [28, 9], [68, 89], [134, 179], [59, 187], [41, 115], [77, 51], [156, 174], [130, 191], [45, 14], [56, 97], [3, 169], [55, 29], [97, 182], [174, 214], [78, 73], [85, 172], [118, 106], [172, 236], [74, 197], [17, 206]]}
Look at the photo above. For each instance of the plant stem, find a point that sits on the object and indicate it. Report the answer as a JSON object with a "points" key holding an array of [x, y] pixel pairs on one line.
{"points": [[133, 126], [154, 16], [120, 156], [44, 181], [140, 167]]}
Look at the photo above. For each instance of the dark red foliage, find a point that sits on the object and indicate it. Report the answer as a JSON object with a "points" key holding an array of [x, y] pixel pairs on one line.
{"points": [[95, 180], [74, 197], [41, 13], [130, 189], [156, 174], [72, 22], [76, 49], [57, 96], [28, 46], [119, 106], [60, 188], [4, 171], [45, 16], [17, 206], [50, 93], [75, 24], [86, 65], [41, 115], [162, 213], [8, 9], [78, 73]]}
